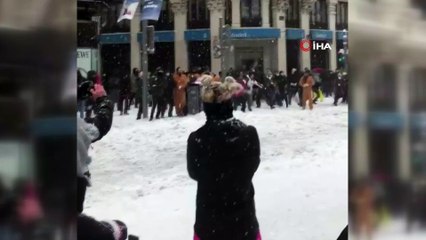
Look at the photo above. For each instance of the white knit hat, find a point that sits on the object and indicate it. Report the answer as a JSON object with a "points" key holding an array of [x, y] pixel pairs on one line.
{"points": [[217, 92]]}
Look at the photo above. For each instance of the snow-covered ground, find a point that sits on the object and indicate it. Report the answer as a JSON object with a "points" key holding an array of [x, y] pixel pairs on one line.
{"points": [[139, 174]]}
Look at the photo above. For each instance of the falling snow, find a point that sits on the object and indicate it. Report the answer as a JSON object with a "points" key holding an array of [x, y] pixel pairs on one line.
{"points": [[139, 174]]}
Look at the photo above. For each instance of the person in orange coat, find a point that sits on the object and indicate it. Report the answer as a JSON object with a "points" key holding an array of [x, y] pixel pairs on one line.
{"points": [[363, 198], [179, 93], [306, 82], [216, 77]]}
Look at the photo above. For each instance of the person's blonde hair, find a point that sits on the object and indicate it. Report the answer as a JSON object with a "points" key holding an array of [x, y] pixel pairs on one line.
{"points": [[217, 92]]}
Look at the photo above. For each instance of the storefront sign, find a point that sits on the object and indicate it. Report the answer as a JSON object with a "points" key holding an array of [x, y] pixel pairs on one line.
{"points": [[114, 38], [418, 121], [255, 33], [340, 35], [160, 36], [197, 35], [321, 34], [295, 34], [84, 58], [385, 120]]}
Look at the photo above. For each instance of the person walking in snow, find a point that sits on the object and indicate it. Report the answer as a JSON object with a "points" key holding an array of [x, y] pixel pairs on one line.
{"points": [[270, 89], [307, 82], [222, 156], [339, 88], [89, 131], [280, 81], [157, 90], [179, 93]]}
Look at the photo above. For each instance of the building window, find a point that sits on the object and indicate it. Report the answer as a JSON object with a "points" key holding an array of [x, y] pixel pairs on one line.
{"points": [[342, 16], [198, 14], [382, 89], [293, 14], [418, 90], [319, 15], [228, 12], [166, 19], [251, 13]]}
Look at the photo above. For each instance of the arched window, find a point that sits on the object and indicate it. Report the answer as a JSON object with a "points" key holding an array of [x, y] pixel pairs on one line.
{"points": [[198, 14], [293, 14], [251, 13], [319, 15]]}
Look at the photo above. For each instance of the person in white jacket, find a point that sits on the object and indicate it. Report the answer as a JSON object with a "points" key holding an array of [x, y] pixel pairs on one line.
{"points": [[249, 91]]}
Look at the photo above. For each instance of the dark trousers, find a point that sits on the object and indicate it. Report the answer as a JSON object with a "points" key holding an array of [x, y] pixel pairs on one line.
{"points": [[291, 94], [140, 108], [257, 95], [169, 103], [345, 96], [280, 98], [271, 97], [132, 97], [157, 103], [123, 103], [337, 96], [90, 229], [243, 102], [81, 193]]}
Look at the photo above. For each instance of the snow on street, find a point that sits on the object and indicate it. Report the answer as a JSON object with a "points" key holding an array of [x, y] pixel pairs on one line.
{"points": [[139, 174]]}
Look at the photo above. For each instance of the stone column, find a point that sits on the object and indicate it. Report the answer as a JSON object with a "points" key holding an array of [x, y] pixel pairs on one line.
{"points": [[306, 8], [332, 4], [280, 7], [404, 161], [135, 50], [216, 8], [180, 10], [265, 13], [359, 164], [236, 14]]}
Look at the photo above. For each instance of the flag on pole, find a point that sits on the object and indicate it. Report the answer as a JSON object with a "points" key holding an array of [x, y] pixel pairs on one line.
{"points": [[151, 9], [128, 10]]}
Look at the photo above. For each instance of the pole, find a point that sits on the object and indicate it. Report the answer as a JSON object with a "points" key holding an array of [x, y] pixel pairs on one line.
{"points": [[144, 66], [222, 46], [97, 19], [345, 45]]}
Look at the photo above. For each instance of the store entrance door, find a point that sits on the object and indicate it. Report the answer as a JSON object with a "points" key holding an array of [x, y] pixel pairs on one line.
{"points": [[247, 58]]}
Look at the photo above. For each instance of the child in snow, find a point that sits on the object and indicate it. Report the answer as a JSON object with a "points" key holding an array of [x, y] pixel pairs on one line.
{"points": [[222, 156]]}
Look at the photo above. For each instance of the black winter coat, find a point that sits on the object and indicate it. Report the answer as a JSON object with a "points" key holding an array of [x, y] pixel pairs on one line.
{"points": [[222, 156], [157, 85]]}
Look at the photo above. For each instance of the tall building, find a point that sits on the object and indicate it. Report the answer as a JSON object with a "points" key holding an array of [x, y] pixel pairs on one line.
{"points": [[388, 91], [264, 33]]}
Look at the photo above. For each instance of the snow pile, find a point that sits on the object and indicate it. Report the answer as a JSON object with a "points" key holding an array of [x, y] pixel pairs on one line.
{"points": [[139, 174]]}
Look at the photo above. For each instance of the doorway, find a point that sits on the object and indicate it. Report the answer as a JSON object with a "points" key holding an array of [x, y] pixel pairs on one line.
{"points": [[247, 58]]}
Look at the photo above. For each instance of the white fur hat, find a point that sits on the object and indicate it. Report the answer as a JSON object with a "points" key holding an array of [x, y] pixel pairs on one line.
{"points": [[217, 92]]}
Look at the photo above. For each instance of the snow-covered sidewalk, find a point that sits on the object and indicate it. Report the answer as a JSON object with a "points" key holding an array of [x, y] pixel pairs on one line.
{"points": [[139, 174]]}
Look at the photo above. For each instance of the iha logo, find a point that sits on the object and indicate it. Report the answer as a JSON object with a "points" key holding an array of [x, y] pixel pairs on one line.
{"points": [[307, 45]]}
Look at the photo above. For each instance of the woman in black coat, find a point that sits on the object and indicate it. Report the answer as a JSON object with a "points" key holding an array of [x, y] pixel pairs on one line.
{"points": [[222, 156]]}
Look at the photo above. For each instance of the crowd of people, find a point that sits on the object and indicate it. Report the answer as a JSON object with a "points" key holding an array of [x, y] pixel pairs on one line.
{"points": [[168, 90]]}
